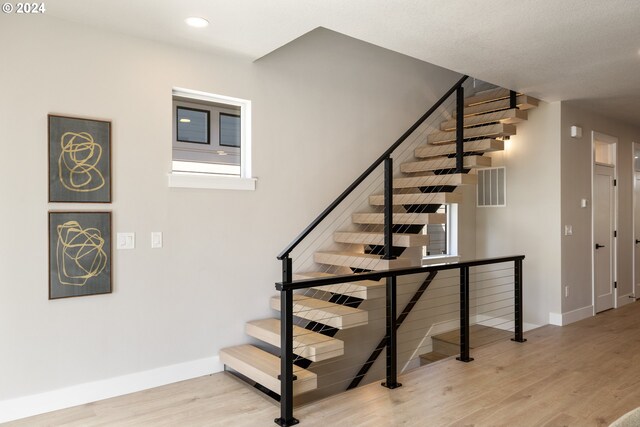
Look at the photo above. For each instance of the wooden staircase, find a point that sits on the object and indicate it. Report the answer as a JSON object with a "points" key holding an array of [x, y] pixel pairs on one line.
{"points": [[426, 183]]}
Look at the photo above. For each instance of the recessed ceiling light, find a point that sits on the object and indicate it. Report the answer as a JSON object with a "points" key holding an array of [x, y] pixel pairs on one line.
{"points": [[196, 22], [183, 120]]}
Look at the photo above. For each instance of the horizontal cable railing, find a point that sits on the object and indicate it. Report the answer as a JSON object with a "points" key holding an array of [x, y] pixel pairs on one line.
{"points": [[481, 299], [287, 250], [397, 205]]}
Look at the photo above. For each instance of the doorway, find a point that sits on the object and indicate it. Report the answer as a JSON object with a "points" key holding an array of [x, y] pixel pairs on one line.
{"points": [[604, 221]]}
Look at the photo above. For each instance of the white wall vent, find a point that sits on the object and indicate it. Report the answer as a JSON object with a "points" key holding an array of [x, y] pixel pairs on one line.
{"points": [[492, 187]]}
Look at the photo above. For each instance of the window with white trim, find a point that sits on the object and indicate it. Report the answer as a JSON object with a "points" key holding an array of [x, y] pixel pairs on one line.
{"points": [[211, 144]]}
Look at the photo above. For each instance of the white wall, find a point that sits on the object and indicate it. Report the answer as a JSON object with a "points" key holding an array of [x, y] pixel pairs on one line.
{"points": [[577, 249], [324, 107], [530, 223]]}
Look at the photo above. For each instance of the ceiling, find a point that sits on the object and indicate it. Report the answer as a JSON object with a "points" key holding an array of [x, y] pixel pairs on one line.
{"points": [[587, 51]]}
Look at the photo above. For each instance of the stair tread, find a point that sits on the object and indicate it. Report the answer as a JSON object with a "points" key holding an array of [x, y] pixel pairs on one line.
{"points": [[478, 146], [418, 199], [359, 260], [399, 218], [325, 312], [492, 130], [363, 289], [469, 162], [510, 116], [487, 96], [308, 344], [523, 102], [435, 180], [479, 335], [264, 368], [377, 238], [432, 357]]}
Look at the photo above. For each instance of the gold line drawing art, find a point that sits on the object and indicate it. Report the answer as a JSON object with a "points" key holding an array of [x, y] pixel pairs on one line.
{"points": [[80, 253], [77, 162]]}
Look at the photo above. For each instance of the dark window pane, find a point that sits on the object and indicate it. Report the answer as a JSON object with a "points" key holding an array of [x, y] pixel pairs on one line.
{"points": [[193, 125], [229, 130]]}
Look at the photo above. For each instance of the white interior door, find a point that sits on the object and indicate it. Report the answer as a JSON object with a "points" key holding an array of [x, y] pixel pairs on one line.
{"points": [[603, 227]]}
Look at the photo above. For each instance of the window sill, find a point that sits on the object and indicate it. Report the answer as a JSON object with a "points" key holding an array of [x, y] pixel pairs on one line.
{"points": [[208, 181], [440, 259]]}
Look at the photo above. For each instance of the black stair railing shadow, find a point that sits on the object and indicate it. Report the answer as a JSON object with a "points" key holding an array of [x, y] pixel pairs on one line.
{"points": [[388, 252]]}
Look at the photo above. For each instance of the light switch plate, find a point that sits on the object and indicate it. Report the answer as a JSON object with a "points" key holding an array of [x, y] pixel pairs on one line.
{"points": [[568, 230], [126, 240], [156, 239]]}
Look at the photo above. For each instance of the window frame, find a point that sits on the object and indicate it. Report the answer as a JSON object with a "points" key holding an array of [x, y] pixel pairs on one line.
{"points": [[208, 113], [195, 179], [220, 129]]}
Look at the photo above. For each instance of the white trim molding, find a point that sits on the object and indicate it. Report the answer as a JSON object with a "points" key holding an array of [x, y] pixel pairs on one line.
{"points": [[216, 182], [562, 319], [80, 394], [625, 299]]}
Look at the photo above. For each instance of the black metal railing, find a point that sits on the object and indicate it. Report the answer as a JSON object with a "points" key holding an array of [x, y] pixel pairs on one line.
{"points": [[386, 155], [288, 286]]}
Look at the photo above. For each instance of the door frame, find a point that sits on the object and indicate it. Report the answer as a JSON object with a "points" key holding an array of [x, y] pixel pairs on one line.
{"points": [[608, 139], [635, 147]]}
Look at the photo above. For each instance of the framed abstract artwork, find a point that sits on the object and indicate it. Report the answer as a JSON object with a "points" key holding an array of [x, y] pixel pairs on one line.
{"points": [[79, 160], [79, 254]]}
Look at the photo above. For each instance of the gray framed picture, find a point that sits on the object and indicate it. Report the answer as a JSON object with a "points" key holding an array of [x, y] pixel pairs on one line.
{"points": [[79, 160], [79, 254]]}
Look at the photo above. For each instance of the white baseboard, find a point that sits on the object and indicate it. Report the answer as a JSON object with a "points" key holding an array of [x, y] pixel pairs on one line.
{"points": [[80, 394], [624, 300], [562, 319]]}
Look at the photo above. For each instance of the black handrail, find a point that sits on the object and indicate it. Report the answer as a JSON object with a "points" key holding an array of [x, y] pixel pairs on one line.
{"points": [[291, 246], [378, 275], [287, 287]]}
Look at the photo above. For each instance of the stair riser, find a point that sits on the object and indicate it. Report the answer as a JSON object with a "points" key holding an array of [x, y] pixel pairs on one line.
{"points": [[444, 347]]}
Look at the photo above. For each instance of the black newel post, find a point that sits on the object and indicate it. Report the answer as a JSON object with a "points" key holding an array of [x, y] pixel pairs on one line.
{"points": [[286, 346], [464, 315], [460, 129], [517, 272]]}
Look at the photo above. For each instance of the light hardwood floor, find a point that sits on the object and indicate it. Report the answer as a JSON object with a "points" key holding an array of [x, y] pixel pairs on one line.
{"points": [[584, 374]]}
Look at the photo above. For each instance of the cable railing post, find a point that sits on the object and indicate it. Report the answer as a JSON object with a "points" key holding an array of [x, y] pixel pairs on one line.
{"points": [[517, 272], [392, 337], [388, 208], [286, 346], [512, 99], [464, 315], [460, 129]]}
